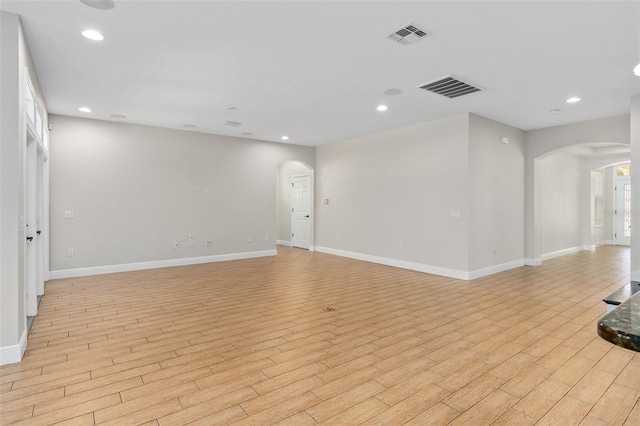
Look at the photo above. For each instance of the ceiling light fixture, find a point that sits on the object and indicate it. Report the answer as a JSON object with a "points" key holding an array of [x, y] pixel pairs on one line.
{"points": [[382, 108], [636, 70], [84, 109], [573, 100], [99, 4], [392, 92], [92, 35], [285, 138]]}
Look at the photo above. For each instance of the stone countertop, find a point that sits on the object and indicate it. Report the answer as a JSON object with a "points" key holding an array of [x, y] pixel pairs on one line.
{"points": [[622, 325]]}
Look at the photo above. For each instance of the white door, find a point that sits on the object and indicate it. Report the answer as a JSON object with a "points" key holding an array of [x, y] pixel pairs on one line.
{"points": [[623, 211], [300, 211], [39, 236], [31, 228]]}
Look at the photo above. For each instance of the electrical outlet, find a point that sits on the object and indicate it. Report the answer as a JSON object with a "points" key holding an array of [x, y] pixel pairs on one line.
{"points": [[69, 214], [249, 239], [192, 191], [70, 252], [401, 246], [266, 238], [175, 244], [207, 242]]}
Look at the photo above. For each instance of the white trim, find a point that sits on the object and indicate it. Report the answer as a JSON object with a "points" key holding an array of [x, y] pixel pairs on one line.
{"points": [[490, 270], [608, 242], [13, 354], [533, 262], [562, 252], [284, 243], [435, 270], [591, 247], [312, 248], [126, 267]]}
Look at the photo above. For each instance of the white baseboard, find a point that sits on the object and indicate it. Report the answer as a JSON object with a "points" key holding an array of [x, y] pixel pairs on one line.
{"points": [[127, 267], [490, 270], [284, 243], [562, 252], [13, 353], [420, 267], [608, 242], [591, 247], [635, 276], [533, 262]]}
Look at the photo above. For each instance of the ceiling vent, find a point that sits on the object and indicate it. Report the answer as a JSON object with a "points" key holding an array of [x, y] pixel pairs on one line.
{"points": [[408, 34], [231, 123], [450, 86]]}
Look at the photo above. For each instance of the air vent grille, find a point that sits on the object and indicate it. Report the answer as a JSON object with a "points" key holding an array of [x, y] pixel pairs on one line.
{"points": [[450, 86], [408, 34]]}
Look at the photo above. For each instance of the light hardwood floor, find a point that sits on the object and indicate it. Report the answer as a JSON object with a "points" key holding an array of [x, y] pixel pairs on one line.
{"points": [[251, 342]]}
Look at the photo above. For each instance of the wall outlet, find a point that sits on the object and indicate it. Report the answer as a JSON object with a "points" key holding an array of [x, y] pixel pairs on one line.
{"points": [[70, 252], [401, 246], [192, 191], [207, 191], [207, 242], [249, 239], [266, 238], [455, 214], [175, 244], [69, 214]]}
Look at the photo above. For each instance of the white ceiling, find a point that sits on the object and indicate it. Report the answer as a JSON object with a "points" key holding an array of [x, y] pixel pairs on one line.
{"points": [[317, 70]]}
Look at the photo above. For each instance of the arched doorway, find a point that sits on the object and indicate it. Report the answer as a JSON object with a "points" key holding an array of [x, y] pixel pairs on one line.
{"points": [[295, 218]]}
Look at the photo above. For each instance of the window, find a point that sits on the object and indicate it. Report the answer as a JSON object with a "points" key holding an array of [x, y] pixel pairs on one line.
{"points": [[623, 170], [598, 198]]}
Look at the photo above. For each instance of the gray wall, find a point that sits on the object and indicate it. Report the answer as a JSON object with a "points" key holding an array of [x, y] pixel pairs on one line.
{"points": [[14, 57], [129, 187], [561, 203], [496, 193], [394, 188]]}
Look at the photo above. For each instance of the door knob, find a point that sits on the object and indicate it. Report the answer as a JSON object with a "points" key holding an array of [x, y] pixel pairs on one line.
{"points": [[29, 238], [307, 216]]}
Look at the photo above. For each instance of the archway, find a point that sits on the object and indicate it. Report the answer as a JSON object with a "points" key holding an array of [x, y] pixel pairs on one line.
{"points": [[286, 172]]}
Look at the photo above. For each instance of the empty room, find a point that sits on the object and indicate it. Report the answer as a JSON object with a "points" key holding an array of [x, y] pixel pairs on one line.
{"points": [[319, 212]]}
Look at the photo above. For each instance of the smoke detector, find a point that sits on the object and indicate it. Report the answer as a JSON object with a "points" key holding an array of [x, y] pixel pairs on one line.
{"points": [[450, 86], [408, 34]]}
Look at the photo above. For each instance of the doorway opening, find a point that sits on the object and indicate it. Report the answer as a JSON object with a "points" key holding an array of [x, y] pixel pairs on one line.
{"points": [[295, 206]]}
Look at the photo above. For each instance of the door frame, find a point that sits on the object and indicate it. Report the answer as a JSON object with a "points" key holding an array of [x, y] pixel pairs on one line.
{"points": [[309, 209]]}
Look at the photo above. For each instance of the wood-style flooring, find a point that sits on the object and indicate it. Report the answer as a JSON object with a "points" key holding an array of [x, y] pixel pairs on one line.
{"points": [[307, 338]]}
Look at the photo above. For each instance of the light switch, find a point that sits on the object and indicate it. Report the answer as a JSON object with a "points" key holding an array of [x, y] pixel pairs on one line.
{"points": [[455, 214], [68, 214]]}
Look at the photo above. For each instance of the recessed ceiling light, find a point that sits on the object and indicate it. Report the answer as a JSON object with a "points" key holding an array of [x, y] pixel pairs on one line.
{"points": [[392, 92], [636, 70], [573, 100], [118, 116], [554, 110], [99, 4], [84, 109], [93, 35], [285, 138], [382, 108], [247, 134], [189, 126]]}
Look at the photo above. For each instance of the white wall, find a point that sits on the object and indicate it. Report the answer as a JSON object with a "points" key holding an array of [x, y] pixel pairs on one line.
{"points": [[496, 193], [14, 57], [561, 203], [394, 188], [285, 173], [129, 188]]}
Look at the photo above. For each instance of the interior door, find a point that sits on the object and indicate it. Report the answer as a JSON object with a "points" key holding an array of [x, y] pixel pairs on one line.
{"points": [[623, 211], [30, 227], [300, 211]]}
